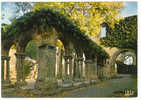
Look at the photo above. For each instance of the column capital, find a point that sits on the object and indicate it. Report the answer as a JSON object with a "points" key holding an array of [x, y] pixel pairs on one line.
{"points": [[70, 51], [88, 61], [70, 57], [80, 58], [47, 45], [20, 54], [3, 57], [67, 57], [8, 58]]}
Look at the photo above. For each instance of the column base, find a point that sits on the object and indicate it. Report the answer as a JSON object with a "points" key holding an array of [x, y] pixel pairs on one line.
{"points": [[77, 79], [67, 78], [48, 83], [20, 83], [6, 83]]}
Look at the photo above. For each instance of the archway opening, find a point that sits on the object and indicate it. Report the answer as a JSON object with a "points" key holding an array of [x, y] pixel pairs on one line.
{"points": [[128, 60], [12, 63], [30, 62], [126, 63]]}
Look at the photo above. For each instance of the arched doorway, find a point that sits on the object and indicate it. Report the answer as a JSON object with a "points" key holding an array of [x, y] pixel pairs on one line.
{"points": [[124, 61]]}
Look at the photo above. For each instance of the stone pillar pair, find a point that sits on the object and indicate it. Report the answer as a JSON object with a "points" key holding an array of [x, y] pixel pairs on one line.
{"points": [[20, 68], [95, 69], [47, 66], [106, 70], [68, 66], [78, 68], [5, 59], [91, 69], [59, 63], [88, 69], [101, 68]]}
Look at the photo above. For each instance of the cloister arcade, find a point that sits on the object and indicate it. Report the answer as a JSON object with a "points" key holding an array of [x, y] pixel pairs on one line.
{"points": [[81, 59]]}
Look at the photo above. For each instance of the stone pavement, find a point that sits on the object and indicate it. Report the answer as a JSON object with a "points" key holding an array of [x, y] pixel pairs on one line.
{"points": [[102, 89], [106, 88]]}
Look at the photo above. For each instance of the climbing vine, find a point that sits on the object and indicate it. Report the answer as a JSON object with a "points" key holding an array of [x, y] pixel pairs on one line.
{"points": [[124, 35], [39, 22]]}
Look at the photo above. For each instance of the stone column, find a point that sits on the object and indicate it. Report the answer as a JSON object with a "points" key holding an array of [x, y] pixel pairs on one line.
{"points": [[106, 69], [20, 68], [91, 69], [73, 70], [76, 69], [5, 58], [47, 63], [94, 69], [60, 69], [70, 67], [66, 58], [100, 68], [88, 69], [80, 65], [7, 69], [84, 66], [2, 69], [63, 67]]}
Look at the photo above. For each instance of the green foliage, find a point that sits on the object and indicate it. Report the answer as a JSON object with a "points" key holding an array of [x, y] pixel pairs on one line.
{"points": [[124, 35], [31, 49], [44, 18], [27, 68]]}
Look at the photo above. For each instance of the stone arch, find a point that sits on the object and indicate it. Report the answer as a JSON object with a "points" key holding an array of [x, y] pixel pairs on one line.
{"points": [[42, 21], [46, 26], [132, 54], [6, 45], [117, 53]]}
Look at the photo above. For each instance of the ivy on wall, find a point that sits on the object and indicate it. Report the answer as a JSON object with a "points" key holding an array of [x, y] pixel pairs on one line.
{"points": [[39, 21], [123, 36]]}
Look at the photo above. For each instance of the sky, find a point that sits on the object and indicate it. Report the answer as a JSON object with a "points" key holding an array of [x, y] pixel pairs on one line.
{"points": [[129, 9], [8, 9]]}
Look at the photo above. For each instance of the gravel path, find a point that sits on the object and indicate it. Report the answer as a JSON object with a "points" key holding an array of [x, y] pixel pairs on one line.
{"points": [[106, 88]]}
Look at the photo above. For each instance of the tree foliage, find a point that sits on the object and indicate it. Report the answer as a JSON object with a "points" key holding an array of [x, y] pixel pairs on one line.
{"points": [[13, 10], [87, 15], [31, 49], [124, 35], [23, 7]]}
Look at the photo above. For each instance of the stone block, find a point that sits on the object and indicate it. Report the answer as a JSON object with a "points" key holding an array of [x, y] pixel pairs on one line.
{"points": [[78, 84], [87, 82], [77, 80], [66, 85], [59, 82], [94, 81]]}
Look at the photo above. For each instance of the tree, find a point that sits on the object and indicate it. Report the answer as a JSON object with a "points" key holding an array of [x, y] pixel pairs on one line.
{"points": [[87, 15], [12, 10], [23, 7], [124, 35]]}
